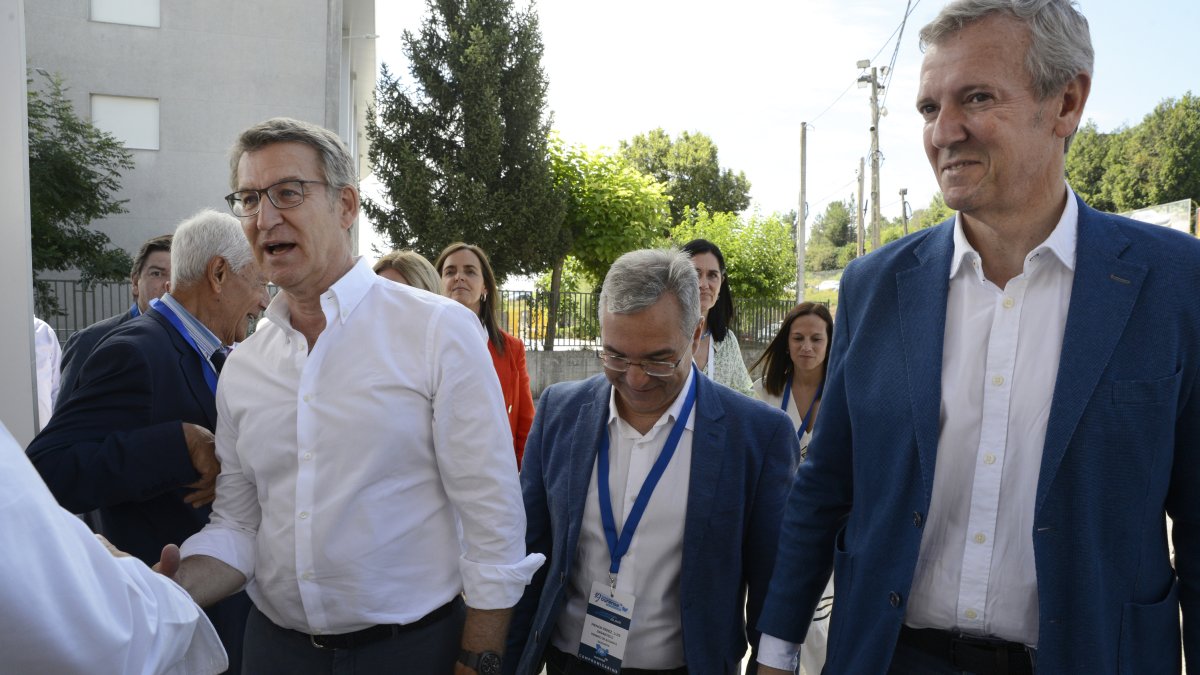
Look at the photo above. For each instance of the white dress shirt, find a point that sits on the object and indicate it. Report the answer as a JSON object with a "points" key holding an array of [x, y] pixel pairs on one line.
{"points": [[70, 607], [651, 569], [975, 571], [49, 355], [343, 468]]}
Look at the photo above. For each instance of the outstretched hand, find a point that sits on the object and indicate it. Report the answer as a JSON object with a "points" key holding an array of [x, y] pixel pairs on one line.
{"points": [[168, 561]]}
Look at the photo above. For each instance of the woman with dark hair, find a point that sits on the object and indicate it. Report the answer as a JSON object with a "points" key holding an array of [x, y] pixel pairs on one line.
{"points": [[718, 355], [793, 368], [467, 277]]}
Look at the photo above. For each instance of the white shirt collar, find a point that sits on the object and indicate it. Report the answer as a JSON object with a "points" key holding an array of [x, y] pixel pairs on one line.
{"points": [[1061, 241], [671, 414], [343, 296]]}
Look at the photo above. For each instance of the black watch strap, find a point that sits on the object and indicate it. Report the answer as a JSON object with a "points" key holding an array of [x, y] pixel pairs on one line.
{"points": [[484, 663]]}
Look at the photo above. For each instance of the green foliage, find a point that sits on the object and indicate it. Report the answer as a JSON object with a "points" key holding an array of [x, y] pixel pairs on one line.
{"points": [[462, 152], [689, 167], [1087, 162], [74, 173], [611, 207], [759, 254], [1155, 162], [845, 254], [819, 256], [835, 226], [934, 214]]}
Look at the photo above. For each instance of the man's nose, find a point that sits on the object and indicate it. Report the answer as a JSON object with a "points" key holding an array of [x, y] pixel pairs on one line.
{"points": [[267, 216], [948, 128]]}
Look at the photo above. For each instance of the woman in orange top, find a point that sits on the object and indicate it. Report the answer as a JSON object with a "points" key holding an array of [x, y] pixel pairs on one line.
{"points": [[468, 278]]}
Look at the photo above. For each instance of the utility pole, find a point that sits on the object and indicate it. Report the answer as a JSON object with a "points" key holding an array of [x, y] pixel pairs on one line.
{"points": [[873, 80], [904, 208], [801, 216], [858, 213]]}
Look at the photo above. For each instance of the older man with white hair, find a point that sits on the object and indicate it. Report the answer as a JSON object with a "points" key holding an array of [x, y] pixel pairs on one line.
{"points": [[134, 439]]}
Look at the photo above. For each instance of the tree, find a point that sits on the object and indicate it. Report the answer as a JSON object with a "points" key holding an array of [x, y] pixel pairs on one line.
{"points": [[689, 167], [610, 208], [74, 173], [462, 153], [759, 251], [936, 212], [835, 226], [1157, 161], [1087, 162]]}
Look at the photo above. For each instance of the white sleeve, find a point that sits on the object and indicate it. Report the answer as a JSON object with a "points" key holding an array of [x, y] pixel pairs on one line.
{"points": [[49, 357], [473, 445], [71, 607], [777, 653]]}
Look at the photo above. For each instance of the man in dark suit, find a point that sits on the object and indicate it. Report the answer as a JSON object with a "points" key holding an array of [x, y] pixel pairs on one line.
{"points": [[149, 277], [654, 492], [1013, 402], [134, 440]]}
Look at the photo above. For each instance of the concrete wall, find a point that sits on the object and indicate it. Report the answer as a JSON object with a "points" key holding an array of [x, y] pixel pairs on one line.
{"points": [[216, 67]]}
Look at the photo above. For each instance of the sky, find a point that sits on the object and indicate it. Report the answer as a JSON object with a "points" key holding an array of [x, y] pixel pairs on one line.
{"points": [[748, 73]]}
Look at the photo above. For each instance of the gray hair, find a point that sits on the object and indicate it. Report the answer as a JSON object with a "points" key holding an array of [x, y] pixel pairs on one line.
{"points": [[199, 239], [639, 278], [1060, 42], [336, 163]]}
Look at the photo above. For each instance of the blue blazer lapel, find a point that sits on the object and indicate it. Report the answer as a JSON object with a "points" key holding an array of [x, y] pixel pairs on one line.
{"points": [[191, 369], [592, 421], [708, 455], [922, 291], [1102, 298]]}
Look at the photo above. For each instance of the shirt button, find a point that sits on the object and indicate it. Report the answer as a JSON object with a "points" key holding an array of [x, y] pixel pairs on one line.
{"points": [[308, 455], [979, 538], [1009, 302], [307, 576], [894, 599], [998, 380], [989, 458], [304, 515], [307, 398], [971, 614]]}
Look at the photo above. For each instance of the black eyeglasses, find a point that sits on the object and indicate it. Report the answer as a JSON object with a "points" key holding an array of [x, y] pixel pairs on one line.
{"points": [[285, 194], [620, 364]]}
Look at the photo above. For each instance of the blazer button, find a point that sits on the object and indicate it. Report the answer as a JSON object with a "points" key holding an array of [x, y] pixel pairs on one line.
{"points": [[917, 519], [894, 598]]}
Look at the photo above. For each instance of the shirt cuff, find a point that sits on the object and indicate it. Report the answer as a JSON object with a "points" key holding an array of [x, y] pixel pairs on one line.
{"points": [[229, 546], [778, 653], [497, 586]]}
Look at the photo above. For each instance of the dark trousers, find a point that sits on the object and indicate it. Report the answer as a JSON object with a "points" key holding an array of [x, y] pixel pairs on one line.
{"points": [[432, 649], [915, 656]]}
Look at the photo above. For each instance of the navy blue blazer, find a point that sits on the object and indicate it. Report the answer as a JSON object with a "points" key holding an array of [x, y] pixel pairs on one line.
{"points": [[1122, 451], [77, 349], [743, 457], [116, 445]]}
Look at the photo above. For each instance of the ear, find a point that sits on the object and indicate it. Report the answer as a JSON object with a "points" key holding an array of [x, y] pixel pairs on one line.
{"points": [[1070, 105], [133, 287], [697, 334], [217, 273], [347, 204]]}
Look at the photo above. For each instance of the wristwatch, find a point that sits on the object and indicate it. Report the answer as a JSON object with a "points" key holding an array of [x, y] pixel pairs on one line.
{"points": [[484, 663]]}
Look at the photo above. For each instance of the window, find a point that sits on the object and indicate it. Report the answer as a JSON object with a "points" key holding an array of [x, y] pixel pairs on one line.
{"points": [[134, 121], [130, 12]]}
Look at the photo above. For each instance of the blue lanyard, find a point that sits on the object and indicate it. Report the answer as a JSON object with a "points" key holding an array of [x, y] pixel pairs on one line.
{"points": [[787, 394], [210, 375], [618, 547]]}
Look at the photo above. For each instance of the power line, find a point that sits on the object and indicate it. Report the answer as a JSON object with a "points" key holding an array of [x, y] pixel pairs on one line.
{"points": [[908, 10]]}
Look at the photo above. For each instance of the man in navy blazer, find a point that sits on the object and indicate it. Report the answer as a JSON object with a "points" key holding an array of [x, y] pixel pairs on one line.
{"points": [[134, 439], [1013, 404], [702, 552], [148, 279]]}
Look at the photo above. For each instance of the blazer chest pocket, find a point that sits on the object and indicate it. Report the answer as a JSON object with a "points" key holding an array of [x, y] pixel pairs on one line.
{"points": [[1146, 392]]}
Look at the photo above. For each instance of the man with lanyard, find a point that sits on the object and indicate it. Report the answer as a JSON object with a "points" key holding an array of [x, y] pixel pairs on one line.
{"points": [[148, 281], [655, 493], [134, 439]]}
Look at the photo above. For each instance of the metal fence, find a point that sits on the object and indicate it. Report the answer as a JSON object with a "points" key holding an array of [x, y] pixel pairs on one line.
{"points": [[524, 314]]}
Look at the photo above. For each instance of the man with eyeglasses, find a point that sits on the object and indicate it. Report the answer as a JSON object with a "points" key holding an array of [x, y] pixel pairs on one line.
{"points": [[368, 480], [655, 493]]}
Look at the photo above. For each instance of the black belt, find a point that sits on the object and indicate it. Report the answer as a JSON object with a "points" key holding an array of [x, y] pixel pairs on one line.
{"points": [[983, 656], [367, 636], [571, 665]]}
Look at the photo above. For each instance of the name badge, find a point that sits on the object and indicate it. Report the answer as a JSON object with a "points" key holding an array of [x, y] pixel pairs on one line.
{"points": [[606, 628]]}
